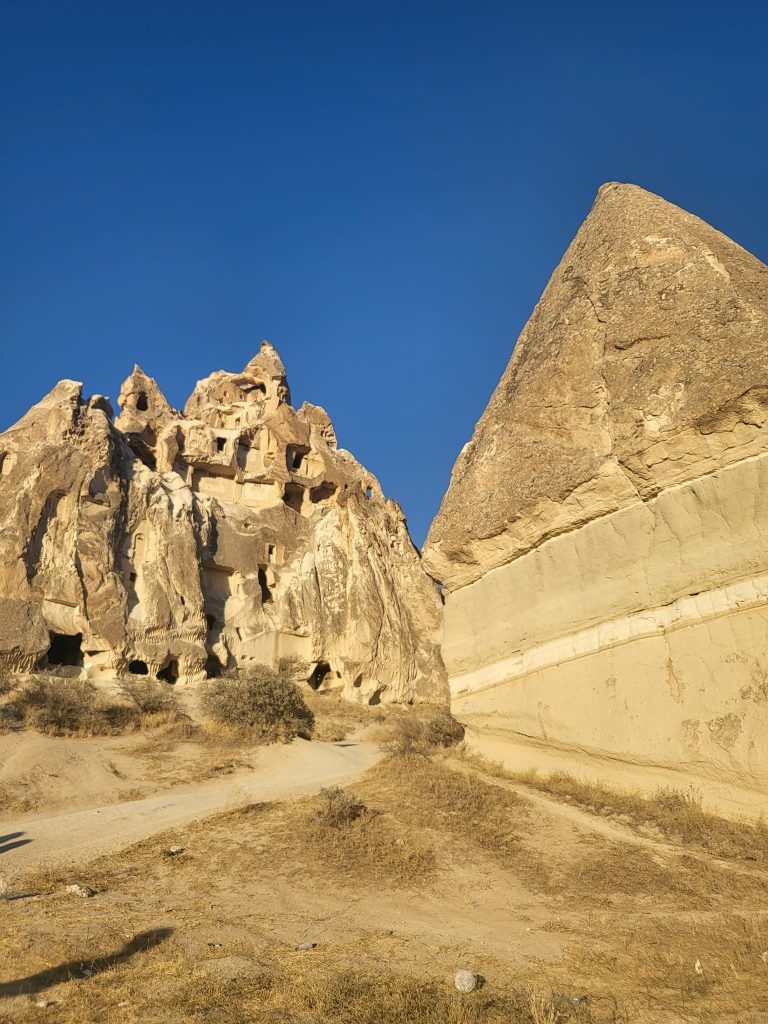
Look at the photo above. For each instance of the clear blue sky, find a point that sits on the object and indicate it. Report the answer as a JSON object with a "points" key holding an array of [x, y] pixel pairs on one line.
{"points": [[381, 189]]}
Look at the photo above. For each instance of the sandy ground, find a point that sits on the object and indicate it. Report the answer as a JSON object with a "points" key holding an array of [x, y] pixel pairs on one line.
{"points": [[278, 772]]}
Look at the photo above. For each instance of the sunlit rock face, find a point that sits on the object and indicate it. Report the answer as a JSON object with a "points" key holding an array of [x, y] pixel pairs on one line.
{"points": [[604, 539], [183, 544]]}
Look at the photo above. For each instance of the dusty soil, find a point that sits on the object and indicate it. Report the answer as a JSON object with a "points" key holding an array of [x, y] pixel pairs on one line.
{"points": [[447, 868]]}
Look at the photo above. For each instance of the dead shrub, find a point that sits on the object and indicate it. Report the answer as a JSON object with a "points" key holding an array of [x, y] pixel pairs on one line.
{"points": [[259, 702], [60, 707], [339, 807], [151, 697], [421, 732]]}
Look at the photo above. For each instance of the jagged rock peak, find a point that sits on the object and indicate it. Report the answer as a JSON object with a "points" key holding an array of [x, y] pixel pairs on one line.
{"points": [[182, 544]]}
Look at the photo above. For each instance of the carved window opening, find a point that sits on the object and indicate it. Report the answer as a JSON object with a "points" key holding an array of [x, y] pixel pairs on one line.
{"points": [[221, 444], [170, 673], [132, 577], [294, 456], [138, 668], [320, 671], [271, 553], [293, 496], [266, 593], [322, 493], [141, 402], [65, 649], [368, 492]]}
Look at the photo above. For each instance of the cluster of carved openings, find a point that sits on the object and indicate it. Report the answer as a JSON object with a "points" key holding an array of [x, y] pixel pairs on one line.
{"points": [[65, 649], [266, 593], [319, 673], [141, 402], [138, 668], [293, 496]]}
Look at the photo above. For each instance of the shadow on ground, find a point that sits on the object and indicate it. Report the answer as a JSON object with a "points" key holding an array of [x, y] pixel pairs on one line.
{"points": [[75, 969], [11, 841]]}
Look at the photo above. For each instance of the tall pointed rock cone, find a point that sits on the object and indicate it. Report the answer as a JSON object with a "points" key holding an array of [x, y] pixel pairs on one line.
{"points": [[644, 364], [604, 540]]}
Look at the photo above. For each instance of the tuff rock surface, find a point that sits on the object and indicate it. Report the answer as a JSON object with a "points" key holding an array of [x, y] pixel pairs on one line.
{"points": [[604, 539], [183, 544]]}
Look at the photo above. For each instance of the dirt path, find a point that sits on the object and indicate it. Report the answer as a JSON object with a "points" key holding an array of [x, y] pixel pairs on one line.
{"points": [[32, 841]]}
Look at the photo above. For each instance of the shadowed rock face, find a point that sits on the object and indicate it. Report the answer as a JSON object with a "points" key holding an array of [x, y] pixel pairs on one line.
{"points": [[603, 538], [184, 544]]}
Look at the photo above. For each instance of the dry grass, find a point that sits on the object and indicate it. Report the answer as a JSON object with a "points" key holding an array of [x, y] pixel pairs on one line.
{"points": [[61, 706], [677, 816], [420, 731], [427, 795]]}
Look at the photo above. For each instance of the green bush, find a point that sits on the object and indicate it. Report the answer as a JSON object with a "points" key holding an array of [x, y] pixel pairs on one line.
{"points": [[258, 701]]}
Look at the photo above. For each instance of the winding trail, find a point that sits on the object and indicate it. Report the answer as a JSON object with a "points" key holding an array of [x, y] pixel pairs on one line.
{"points": [[281, 772]]}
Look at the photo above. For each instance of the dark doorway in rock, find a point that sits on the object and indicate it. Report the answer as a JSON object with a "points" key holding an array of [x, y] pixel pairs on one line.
{"points": [[170, 673], [141, 402], [65, 649], [321, 493], [213, 667], [375, 698], [293, 496], [138, 668], [266, 593], [321, 670], [221, 444]]}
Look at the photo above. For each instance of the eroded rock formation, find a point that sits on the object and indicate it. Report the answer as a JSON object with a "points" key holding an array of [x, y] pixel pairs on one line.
{"points": [[180, 544], [604, 540]]}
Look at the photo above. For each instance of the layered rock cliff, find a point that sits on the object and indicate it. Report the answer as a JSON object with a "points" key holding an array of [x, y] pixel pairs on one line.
{"points": [[604, 539], [182, 544]]}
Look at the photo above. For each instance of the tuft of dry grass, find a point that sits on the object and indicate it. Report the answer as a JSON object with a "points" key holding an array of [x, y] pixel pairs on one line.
{"points": [[421, 730]]}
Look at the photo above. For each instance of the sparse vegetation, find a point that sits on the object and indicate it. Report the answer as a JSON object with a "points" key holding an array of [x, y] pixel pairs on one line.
{"points": [[258, 702], [339, 807], [151, 697], [678, 816], [62, 706], [421, 731]]}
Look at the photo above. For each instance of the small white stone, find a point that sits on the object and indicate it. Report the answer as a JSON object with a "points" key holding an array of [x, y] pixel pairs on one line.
{"points": [[465, 981]]}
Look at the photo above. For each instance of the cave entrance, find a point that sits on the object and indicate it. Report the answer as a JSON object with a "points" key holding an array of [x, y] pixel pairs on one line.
{"points": [[170, 673], [138, 668], [323, 492], [293, 496], [321, 670], [266, 593], [66, 649], [141, 402], [213, 667]]}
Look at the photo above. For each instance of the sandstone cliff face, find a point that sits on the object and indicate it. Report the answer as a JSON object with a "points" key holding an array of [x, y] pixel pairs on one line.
{"points": [[604, 538], [181, 544]]}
